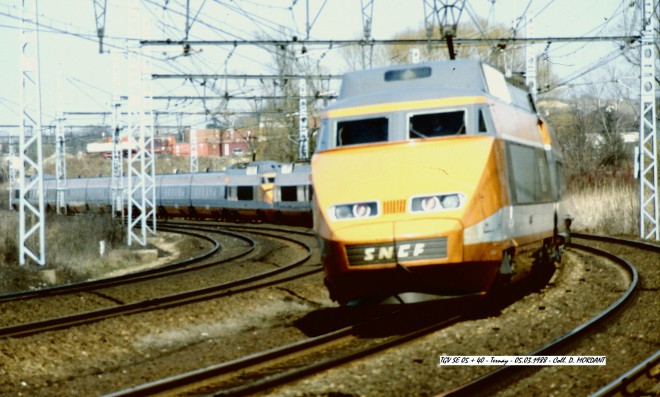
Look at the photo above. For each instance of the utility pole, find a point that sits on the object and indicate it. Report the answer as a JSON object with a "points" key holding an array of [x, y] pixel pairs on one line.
{"points": [[117, 182], [60, 150], [648, 138], [303, 136], [194, 159], [530, 60], [32, 220], [12, 175]]}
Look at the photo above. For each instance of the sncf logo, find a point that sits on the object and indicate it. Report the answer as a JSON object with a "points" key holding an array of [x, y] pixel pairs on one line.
{"points": [[386, 253]]}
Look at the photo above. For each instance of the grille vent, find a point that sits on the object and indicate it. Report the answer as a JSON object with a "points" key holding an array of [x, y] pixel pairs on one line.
{"points": [[394, 206]]}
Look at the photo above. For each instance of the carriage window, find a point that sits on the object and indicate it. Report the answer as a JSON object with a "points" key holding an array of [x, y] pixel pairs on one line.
{"points": [[482, 123], [529, 174], [289, 193], [437, 124], [361, 131], [244, 193]]}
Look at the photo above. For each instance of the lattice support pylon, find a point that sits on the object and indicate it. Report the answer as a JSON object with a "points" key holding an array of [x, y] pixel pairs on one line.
{"points": [[141, 166], [367, 19], [648, 138], [32, 220], [100, 7], [430, 18]]}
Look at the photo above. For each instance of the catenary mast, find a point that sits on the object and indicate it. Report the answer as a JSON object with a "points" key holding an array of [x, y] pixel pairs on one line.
{"points": [[32, 220], [648, 138]]}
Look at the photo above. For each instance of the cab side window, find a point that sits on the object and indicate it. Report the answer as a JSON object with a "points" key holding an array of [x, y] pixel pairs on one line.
{"points": [[437, 124], [357, 132]]}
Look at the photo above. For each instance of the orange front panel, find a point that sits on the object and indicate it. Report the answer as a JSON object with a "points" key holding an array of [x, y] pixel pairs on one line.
{"points": [[393, 173], [368, 255]]}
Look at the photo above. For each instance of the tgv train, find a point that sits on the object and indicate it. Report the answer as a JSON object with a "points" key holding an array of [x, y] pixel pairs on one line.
{"points": [[257, 191], [428, 179]]}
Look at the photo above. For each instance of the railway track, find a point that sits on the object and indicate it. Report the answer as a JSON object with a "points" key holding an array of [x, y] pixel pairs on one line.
{"points": [[493, 379], [259, 372], [177, 267], [122, 308], [371, 330], [264, 370], [327, 346]]}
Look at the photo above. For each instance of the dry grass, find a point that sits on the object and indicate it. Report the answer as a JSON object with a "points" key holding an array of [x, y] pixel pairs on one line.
{"points": [[72, 248], [610, 208]]}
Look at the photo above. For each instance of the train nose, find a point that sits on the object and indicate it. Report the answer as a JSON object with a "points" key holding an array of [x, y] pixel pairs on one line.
{"points": [[407, 242]]}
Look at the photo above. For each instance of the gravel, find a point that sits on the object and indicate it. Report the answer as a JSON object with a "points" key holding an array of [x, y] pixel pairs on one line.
{"points": [[118, 353]]}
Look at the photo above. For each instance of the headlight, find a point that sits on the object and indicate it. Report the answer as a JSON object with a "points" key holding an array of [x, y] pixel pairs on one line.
{"points": [[430, 203], [436, 202], [450, 201], [354, 210]]}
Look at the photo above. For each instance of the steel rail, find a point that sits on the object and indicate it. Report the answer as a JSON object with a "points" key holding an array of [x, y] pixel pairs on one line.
{"points": [[644, 245], [301, 231], [488, 380], [315, 367], [186, 380], [620, 385], [172, 300]]}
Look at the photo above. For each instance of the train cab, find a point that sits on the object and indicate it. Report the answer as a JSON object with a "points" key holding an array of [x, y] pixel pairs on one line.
{"points": [[450, 170], [249, 190]]}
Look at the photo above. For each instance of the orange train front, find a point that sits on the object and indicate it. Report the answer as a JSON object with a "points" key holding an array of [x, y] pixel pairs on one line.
{"points": [[428, 178]]}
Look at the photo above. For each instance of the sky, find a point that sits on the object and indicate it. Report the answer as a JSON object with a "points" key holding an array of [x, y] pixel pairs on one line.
{"points": [[68, 43]]}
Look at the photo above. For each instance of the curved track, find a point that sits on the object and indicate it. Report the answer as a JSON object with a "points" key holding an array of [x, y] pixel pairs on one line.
{"points": [[162, 271], [329, 343], [259, 372], [119, 308], [492, 380]]}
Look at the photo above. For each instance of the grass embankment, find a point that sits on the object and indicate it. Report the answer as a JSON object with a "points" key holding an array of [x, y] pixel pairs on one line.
{"points": [[72, 250], [609, 207]]}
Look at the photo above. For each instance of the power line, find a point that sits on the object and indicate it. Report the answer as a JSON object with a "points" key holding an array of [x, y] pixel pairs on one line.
{"points": [[248, 76], [234, 96], [473, 41]]}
